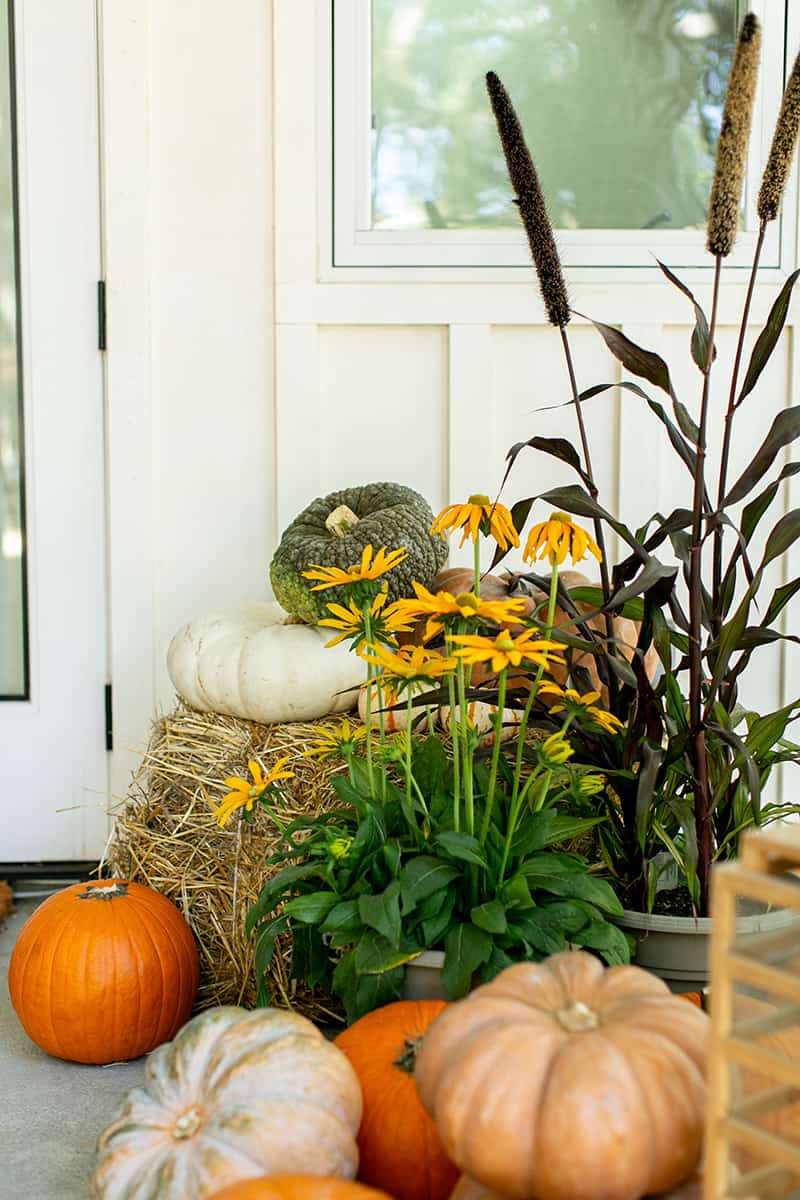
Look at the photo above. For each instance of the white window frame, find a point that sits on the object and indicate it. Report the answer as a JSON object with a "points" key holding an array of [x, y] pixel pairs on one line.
{"points": [[350, 249]]}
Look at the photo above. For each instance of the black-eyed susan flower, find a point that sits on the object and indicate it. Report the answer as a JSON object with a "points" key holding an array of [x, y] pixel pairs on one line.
{"points": [[554, 751], [339, 847], [558, 537], [584, 707], [591, 785], [336, 741], [352, 620], [244, 794], [466, 606], [505, 650], [368, 569], [478, 516], [409, 665]]}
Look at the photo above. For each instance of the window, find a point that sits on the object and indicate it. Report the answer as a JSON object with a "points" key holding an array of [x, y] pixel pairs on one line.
{"points": [[621, 102]]}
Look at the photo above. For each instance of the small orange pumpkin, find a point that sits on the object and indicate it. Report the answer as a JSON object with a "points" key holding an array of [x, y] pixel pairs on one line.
{"points": [[566, 1080], [298, 1187], [103, 971], [398, 1144]]}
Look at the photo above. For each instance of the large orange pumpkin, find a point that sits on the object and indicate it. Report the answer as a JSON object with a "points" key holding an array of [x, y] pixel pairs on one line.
{"points": [[298, 1187], [468, 1189], [399, 1147], [566, 1080], [103, 971]]}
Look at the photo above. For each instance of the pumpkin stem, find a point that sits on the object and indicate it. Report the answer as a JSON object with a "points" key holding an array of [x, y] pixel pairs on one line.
{"points": [[341, 521], [96, 891], [579, 1018], [187, 1123], [408, 1057]]}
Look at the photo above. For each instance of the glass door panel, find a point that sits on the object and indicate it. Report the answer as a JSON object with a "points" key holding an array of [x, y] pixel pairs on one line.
{"points": [[13, 605]]}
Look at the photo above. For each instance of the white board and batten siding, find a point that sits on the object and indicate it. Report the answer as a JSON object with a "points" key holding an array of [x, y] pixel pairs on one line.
{"points": [[428, 376], [247, 376]]}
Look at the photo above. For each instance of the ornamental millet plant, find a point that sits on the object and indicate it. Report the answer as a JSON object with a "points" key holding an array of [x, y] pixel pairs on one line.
{"points": [[693, 761], [441, 841]]}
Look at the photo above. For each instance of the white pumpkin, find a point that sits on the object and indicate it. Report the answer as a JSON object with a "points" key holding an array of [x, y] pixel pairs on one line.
{"points": [[247, 663], [396, 718], [482, 716]]}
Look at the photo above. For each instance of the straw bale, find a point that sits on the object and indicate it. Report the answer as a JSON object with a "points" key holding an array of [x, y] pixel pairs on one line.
{"points": [[166, 838]]}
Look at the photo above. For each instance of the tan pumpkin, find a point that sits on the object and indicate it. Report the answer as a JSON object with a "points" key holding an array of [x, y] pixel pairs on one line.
{"points": [[468, 1189], [298, 1187], [394, 719], [235, 1095], [482, 716], [569, 1054]]}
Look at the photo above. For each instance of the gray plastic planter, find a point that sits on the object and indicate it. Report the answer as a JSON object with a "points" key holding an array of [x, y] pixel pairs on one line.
{"points": [[423, 979], [676, 948]]}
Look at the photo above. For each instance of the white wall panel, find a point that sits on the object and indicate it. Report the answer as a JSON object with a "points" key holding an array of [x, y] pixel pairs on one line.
{"points": [[382, 408]]}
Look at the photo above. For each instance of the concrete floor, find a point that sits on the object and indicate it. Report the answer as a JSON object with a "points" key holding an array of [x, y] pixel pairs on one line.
{"points": [[52, 1111]]}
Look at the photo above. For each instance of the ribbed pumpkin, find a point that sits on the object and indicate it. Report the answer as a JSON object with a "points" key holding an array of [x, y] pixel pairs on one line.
{"points": [[298, 1187], [385, 698], [236, 1095], [103, 971], [398, 1143], [565, 1080], [468, 1189]]}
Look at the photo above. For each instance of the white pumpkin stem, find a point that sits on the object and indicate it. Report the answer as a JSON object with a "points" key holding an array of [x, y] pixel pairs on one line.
{"points": [[341, 521], [187, 1124], [579, 1018]]}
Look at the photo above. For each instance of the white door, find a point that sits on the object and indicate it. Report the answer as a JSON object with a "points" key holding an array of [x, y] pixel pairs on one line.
{"points": [[53, 759]]}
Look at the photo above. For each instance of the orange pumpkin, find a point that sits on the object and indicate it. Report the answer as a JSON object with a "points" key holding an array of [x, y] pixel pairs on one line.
{"points": [[298, 1187], [103, 971], [566, 1080], [468, 1189], [399, 1147]]}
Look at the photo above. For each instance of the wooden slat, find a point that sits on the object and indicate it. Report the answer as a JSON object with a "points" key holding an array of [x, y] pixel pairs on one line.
{"points": [[771, 1022], [779, 1068], [775, 945], [775, 1150], [765, 1183], [773, 891], [769, 979], [766, 1102]]}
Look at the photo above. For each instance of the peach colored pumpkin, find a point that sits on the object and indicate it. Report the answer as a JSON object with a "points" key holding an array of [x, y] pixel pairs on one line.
{"points": [[468, 1189], [394, 719], [237, 1094], [103, 971], [298, 1187], [568, 1054]]}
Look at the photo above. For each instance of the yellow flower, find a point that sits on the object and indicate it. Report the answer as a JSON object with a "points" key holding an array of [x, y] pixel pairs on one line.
{"points": [[368, 568], [591, 785], [467, 606], [554, 751], [581, 706], [558, 537], [478, 515], [384, 622], [337, 740], [244, 794], [340, 847], [504, 650], [409, 663]]}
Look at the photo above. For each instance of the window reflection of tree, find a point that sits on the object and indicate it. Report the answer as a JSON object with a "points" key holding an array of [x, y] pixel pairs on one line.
{"points": [[621, 101]]}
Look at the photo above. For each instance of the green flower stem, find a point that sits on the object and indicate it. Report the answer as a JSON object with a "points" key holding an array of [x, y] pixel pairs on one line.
{"points": [[409, 719], [463, 719], [513, 819], [498, 729], [379, 694], [477, 565], [523, 725], [451, 687]]}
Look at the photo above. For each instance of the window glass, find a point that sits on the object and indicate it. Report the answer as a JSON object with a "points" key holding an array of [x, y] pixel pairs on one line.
{"points": [[621, 102]]}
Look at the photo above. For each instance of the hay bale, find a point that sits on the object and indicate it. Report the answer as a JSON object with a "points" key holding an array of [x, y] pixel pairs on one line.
{"points": [[166, 837]]}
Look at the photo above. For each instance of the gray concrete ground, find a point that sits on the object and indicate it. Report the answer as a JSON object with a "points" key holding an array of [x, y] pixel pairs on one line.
{"points": [[50, 1111]]}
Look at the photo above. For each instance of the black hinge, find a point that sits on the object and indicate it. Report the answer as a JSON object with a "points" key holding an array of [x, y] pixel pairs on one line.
{"points": [[109, 719], [101, 314]]}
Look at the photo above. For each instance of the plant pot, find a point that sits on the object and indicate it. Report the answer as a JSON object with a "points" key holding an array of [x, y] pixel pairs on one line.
{"points": [[676, 948], [423, 978]]}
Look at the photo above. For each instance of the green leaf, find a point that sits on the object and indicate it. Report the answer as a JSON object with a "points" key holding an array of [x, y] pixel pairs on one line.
{"points": [[516, 893], [538, 930], [374, 954], [780, 598], [265, 947], [435, 926], [784, 429], [652, 757], [768, 338], [392, 856], [422, 876], [310, 961], [361, 994], [764, 732], [608, 939], [311, 909], [490, 916], [465, 949], [582, 887], [565, 915], [498, 962], [565, 828], [344, 917], [271, 893], [462, 846], [382, 912]]}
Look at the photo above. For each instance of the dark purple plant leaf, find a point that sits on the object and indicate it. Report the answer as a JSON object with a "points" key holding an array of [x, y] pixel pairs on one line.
{"points": [[768, 338], [700, 334], [784, 429]]}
